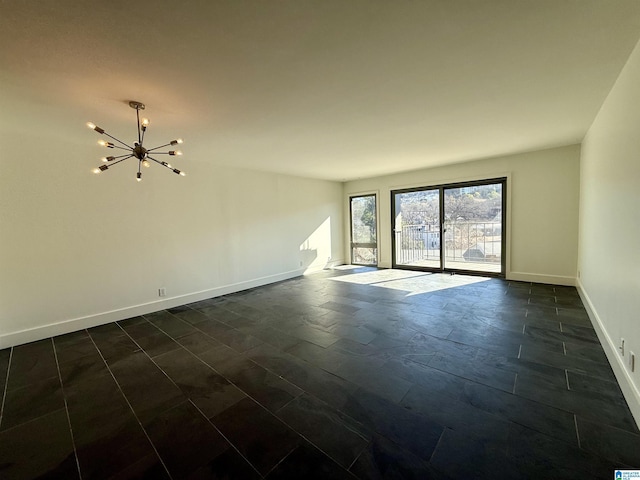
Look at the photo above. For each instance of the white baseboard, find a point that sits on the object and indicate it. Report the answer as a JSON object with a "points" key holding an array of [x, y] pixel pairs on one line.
{"points": [[67, 326], [538, 278], [334, 263], [630, 391], [524, 277], [319, 267]]}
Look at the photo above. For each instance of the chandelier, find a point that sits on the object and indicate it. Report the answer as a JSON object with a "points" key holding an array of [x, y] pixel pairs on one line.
{"points": [[138, 150]]}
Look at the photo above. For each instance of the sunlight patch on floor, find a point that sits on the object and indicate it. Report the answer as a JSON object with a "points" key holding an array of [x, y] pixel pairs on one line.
{"points": [[414, 283]]}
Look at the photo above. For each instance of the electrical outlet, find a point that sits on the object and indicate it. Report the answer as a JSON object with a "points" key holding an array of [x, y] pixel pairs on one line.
{"points": [[621, 347], [632, 361], [162, 292]]}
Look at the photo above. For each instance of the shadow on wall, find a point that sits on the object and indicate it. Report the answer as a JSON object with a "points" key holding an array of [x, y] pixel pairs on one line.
{"points": [[315, 251]]}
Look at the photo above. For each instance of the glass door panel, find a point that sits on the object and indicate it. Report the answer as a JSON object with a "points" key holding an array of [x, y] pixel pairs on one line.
{"points": [[473, 228], [364, 243], [417, 228]]}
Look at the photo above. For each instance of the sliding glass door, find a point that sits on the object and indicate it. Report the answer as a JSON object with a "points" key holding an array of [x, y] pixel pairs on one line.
{"points": [[456, 227], [417, 228], [473, 227]]}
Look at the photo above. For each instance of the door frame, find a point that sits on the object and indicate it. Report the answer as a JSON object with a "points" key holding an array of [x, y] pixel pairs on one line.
{"points": [[353, 244], [441, 188]]}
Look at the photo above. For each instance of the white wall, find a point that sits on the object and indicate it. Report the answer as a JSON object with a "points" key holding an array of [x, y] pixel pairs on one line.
{"points": [[542, 208], [609, 240], [78, 249]]}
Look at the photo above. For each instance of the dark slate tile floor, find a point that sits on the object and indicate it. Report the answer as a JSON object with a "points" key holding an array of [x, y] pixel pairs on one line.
{"points": [[348, 373]]}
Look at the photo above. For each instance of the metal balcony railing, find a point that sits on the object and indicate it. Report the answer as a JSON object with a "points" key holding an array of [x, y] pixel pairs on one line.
{"points": [[475, 242]]}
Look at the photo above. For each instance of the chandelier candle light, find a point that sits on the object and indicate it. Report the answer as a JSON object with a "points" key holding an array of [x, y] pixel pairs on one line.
{"points": [[137, 151]]}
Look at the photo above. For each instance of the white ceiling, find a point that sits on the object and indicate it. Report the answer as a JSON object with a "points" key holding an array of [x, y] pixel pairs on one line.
{"points": [[327, 89]]}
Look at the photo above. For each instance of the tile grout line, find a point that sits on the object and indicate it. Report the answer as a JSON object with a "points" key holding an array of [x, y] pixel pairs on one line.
{"points": [[6, 386], [225, 437], [313, 443], [66, 408], [130, 406], [435, 449], [359, 455], [282, 460], [290, 401]]}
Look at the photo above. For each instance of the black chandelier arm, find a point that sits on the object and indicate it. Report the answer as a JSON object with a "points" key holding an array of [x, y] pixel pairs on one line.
{"points": [[119, 156], [121, 160], [101, 131], [118, 140], [171, 143], [160, 162], [166, 165], [121, 148], [161, 146]]}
